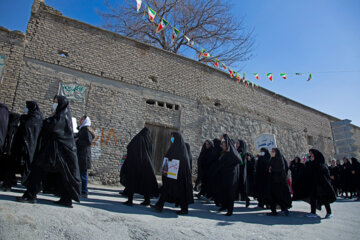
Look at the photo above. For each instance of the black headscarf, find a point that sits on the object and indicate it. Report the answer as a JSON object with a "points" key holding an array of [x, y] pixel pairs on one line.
{"points": [[138, 174], [180, 190]]}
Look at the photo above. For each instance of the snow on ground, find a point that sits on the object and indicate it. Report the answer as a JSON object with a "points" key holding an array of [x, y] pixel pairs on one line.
{"points": [[102, 216]]}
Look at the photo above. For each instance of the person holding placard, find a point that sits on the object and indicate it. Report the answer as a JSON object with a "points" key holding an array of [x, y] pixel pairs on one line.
{"points": [[177, 184]]}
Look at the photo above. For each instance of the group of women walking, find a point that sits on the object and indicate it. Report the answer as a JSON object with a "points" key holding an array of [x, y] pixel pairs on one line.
{"points": [[47, 153]]}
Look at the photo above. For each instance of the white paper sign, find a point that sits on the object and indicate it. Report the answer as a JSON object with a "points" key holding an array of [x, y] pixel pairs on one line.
{"points": [[265, 141], [173, 168], [74, 123]]}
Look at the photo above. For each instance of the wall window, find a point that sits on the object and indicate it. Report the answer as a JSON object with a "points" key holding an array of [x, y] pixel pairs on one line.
{"points": [[171, 106]]}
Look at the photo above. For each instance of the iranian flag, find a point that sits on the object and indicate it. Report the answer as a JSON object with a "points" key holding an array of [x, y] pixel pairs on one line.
{"points": [[269, 75], [138, 4], [231, 73], [152, 14], [216, 63], [283, 75], [238, 77], [247, 84], [224, 66], [201, 53], [310, 77], [256, 76], [175, 34], [162, 25], [207, 55]]}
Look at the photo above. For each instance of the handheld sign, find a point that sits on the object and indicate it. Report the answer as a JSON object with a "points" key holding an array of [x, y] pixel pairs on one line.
{"points": [[173, 168], [74, 124], [265, 141]]}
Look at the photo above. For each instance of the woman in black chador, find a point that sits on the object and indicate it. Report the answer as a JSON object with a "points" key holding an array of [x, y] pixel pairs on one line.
{"points": [[318, 184], [178, 191], [278, 192], [25, 141], [56, 154], [250, 175], [261, 176], [296, 168], [346, 182], [203, 166], [228, 169], [138, 174], [4, 119], [356, 176], [242, 149]]}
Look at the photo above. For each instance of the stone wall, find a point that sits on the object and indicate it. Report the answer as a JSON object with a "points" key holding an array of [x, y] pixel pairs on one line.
{"points": [[129, 84], [12, 49]]}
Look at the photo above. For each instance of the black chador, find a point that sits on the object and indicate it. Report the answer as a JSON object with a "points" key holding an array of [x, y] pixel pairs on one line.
{"points": [[25, 141], [7, 157], [4, 119], [56, 154], [278, 192], [203, 165], [297, 168], [179, 190], [228, 169], [318, 183], [138, 174], [262, 176]]}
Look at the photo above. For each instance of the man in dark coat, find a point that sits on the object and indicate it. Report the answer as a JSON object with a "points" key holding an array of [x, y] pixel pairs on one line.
{"points": [[83, 141], [296, 168], [356, 176], [318, 184], [137, 173], [179, 190], [56, 154], [203, 165], [7, 158], [261, 174], [340, 177], [278, 192], [4, 120], [229, 175], [25, 142]]}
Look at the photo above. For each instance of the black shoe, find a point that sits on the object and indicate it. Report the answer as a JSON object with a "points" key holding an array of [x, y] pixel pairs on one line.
{"points": [[64, 202], [128, 203], [145, 203], [272, 214], [25, 200], [229, 214], [123, 193], [84, 195], [247, 203], [181, 212], [156, 208]]}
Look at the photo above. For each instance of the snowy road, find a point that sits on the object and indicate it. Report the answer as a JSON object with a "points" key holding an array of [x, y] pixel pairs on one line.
{"points": [[102, 216]]}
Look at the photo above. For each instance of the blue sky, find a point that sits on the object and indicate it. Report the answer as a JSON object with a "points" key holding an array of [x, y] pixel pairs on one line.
{"points": [[317, 36]]}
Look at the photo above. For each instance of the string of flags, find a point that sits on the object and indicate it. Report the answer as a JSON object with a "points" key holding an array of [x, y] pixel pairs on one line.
{"points": [[203, 53]]}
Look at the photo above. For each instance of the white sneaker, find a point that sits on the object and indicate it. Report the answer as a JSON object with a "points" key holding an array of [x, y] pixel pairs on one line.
{"points": [[328, 216], [311, 215]]}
